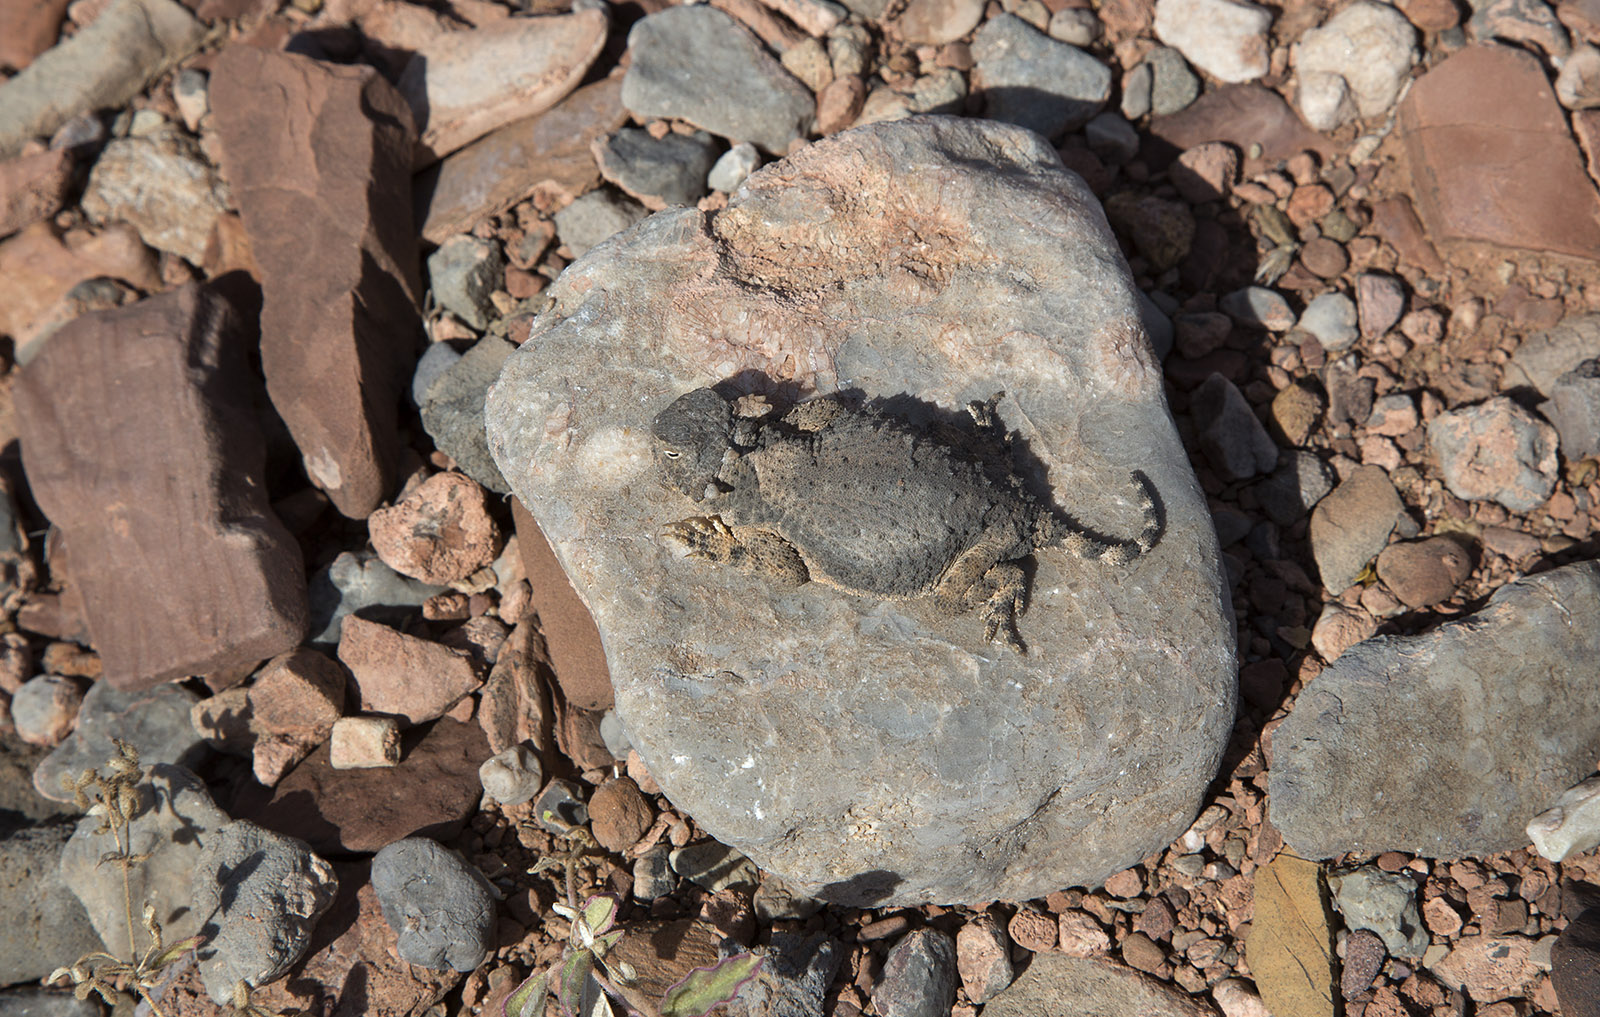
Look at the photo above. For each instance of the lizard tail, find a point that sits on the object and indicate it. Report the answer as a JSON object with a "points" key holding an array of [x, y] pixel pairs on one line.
{"points": [[1083, 542]]}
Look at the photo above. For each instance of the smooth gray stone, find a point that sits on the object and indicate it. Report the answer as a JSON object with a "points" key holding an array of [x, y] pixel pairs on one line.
{"points": [[175, 822], [671, 170], [595, 218], [698, 64], [869, 750], [154, 720], [1056, 985], [462, 273], [1033, 81], [793, 980], [1445, 744], [42, 925], [1173, 85], [1574, 409], [1230, 434], [919, 976], [435, 360], [1545, 356], [261, 894], [440, 906], [358, 583], [1384, 903], [452, 410]]}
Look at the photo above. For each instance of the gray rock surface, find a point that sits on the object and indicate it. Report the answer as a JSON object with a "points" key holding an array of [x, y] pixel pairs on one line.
{"points": [[1545, 356], [1574, 409], [714, 866], [1445, 744], [42, 925], [1033, 81], [1258, 307], [596, 217], [1225, 38], [1351, 525], [440, 906], [103, 66], [1384, 903], [175, 822], [1301, 480], [1571, 825], [155, 721], [463, 272], [1230, 434], [760, 710], [919, 976], [1331, 317], [1354, 65], [793, 979], [260, 894], [698, 64], [1056, 985], [452, 410], [658, 172], [1495, 449], [733, 167], [1173, 86], [356, 582], [431, 366]]}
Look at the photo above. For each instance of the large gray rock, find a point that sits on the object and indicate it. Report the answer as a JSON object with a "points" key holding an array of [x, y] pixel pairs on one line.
{"points": [[870, 750], [452, 410], [1030, 79], [1545, 356], [698, 64], [440, 906], [1056, 985], [176, 819], [155, 721], [1445, 744], [261, 894], [42, 925]]}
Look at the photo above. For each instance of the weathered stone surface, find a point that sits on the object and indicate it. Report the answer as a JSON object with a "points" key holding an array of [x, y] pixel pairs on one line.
{"points": [[42, 925], [1352, 524], [1478, 128], [409, 678], [428, 794], [154, 720], [361, 584], [698, 64], [919, 976], [1495, 449], [1056, 985], [1489, 968], [937, 22], [793, 980], [1384, 903], [439, 533], [1030, 79], [260, 895], [136, 424], [1575, 965], [1354, 65], [1225, 38], [1571, 825], [1445, 744], [657, 171], [327, 206], [173, 823], [104, 65], [545, 159], [162, 186], [38, 269], [1544, 357], [1290, 948], [571, 641], [462, 85], [437, 903], [643, 319]]}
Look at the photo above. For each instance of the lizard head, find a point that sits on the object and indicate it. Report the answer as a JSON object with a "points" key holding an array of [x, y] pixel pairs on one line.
{"points": [[692, 436]]}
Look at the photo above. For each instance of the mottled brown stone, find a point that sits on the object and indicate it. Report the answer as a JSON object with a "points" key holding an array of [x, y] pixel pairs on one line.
{"points": [[326, 201], [140, 443]]}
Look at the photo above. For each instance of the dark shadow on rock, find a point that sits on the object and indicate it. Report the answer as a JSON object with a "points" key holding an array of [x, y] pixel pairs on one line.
{"points": [[862, 890]]}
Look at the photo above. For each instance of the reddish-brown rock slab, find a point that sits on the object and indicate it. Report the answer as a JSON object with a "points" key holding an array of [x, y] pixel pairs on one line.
{"points": [[281, 716], [414, 680], [28, 28], [326, 201], [439, 533], [352, 967], [572, 642], [545, 158], [32, 188], [1491, 159], [462, 85], [430, 793], [1243, 116], [141, 445], [514, 704], [38, 267]]}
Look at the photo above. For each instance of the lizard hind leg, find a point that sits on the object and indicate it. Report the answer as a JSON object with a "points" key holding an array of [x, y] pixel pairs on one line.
{"points": [[750, 549], [997, 590]]}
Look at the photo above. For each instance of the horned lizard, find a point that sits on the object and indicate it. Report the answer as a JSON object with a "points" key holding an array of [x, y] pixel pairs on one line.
{"points": [[869, 504]]}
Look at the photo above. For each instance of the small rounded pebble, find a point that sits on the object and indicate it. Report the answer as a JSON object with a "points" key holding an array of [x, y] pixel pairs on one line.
{"points": [[45, 709], [619, 814], [1424, 572], [513, 776], [729, 171], [1033, 931], [1332, 318], [1259, 307], [1324, 258]]}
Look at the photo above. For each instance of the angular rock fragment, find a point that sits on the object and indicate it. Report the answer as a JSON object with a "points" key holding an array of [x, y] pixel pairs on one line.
{"points": [[412, 679], [1495, 450], [163, 187], [1351, 525], [658, 172], [1290, 948], [327, 206], [698, 64], [1030, 79], [1446, 744], [140, 443], [32, 187], [462, 85], [38, 268], [154, 720], [714, 670], [452, 410], [439, 533], [919, 976], [102, 66], [1055, 984], [361, 584]]}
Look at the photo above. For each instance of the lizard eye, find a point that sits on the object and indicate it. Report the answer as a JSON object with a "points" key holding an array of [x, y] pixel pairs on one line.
{"points": [[670, 454]]}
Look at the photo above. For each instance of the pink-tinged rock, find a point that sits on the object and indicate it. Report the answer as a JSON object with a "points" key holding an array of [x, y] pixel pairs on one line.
{"points": [[280, 717], [439, 533], [28, 28], [462, 85], [364, 743], [1496, 449], [38, 267], [140, 442], [1243, 116], [102, 66], [32, 187], [411, 679], [326, 200], [1491, 159], [545, 159], [429, 793], [45, 709]]}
